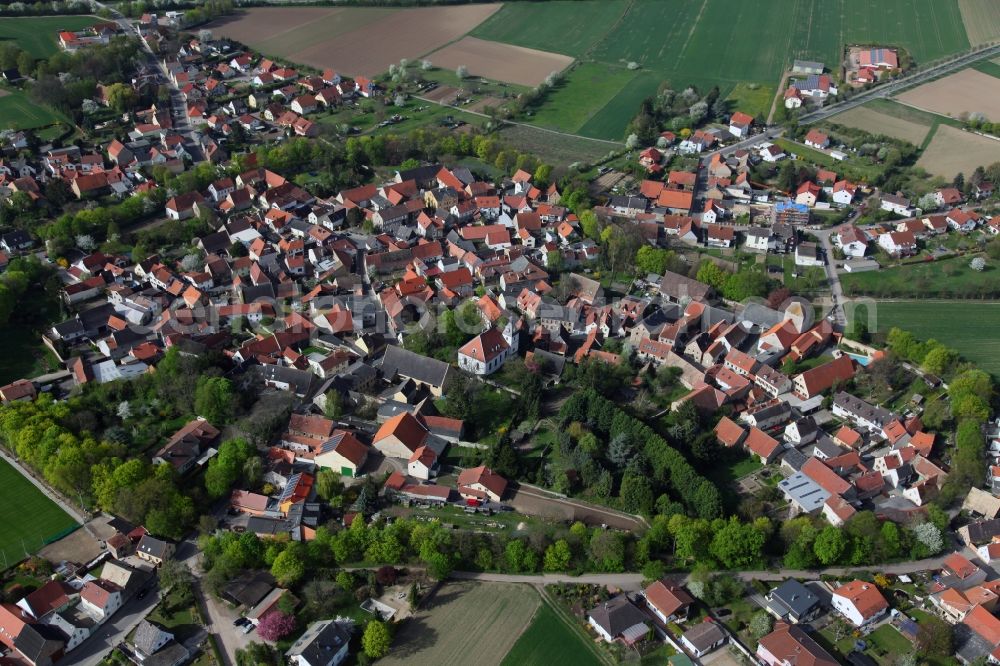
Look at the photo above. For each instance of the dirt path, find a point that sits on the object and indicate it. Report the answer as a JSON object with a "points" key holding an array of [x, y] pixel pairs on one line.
{"points": [[778, 95]]}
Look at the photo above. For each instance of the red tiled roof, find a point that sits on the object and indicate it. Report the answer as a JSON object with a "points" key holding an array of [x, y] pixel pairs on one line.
{"points": [[484, 476], [864, 596], [825, 477], [728, 432]]}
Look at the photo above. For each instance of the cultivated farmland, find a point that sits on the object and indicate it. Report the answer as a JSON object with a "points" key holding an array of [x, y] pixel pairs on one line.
{"points": [[966, 91], [952, 151], [880, 123], [356, 40], [718, 42], [610, 122], [37, 34], [500, 62], [547, 26], [981, 19], [584, 91], [968, 326], [464, 618], [548, 641], [34, 518]]}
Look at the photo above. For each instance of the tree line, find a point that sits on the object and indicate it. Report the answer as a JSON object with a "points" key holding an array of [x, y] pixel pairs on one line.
{"points": [[669, 472]]}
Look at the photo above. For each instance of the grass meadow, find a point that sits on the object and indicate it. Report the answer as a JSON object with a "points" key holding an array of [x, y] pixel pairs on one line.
{"points": [[19, 112], [37, 34], [968, 326]]}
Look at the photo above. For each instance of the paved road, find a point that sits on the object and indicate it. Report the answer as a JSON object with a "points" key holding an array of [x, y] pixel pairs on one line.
{"points": [[182, 124], [900, 84], [92, 651], [218, 617], [832, 276], [623, 581], [631, 581]]}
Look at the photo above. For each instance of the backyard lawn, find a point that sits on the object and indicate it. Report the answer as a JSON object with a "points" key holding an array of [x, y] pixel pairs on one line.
{"points": [[944, 278]]}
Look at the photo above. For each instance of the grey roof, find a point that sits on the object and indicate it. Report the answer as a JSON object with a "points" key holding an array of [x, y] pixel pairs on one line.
{"points": [[617, 615], [981, 531], [300, 381], [153, 547], [147, 636], [425, 172], [968, 644], [779, 409], [704, 635], [806, 425], [854, 405], [426, 370], [69, 327], [679, 287], [249, 588], [38, 642], [826, 448], [171, 654], [796, 598], [320, 642], [804, 491]]}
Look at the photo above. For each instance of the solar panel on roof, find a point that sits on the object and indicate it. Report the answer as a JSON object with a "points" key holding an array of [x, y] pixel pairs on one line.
{"points": [[290, 487]]}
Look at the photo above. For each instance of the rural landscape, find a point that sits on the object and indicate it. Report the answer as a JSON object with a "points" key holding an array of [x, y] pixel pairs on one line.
{"points": [[553, 332]]}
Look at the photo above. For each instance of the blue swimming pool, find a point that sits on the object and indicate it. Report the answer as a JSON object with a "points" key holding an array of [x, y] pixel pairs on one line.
{"points": [[863, 360]]}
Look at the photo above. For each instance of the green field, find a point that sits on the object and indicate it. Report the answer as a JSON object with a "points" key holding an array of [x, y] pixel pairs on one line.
{"points": [[610, 122], [31, 518], [988, 67], [854, 168], [547, 25], [968, 326], [718, 42], [584, 91], [556, 148], [549, 642], [751, 98], [37, 34], [946, 278], [19, 112]]}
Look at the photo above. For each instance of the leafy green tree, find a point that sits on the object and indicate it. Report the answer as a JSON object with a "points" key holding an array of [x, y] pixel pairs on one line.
{"points": [[376, 640], [334, 406], [831, 545], [328, 484], [738, 545], [607, 551], [761, 624], [226, 467], [935, 638], [214, 399], [652, 260], [590, 224], [520, 557], [288, 567], [558, 556], [636, 494]]}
